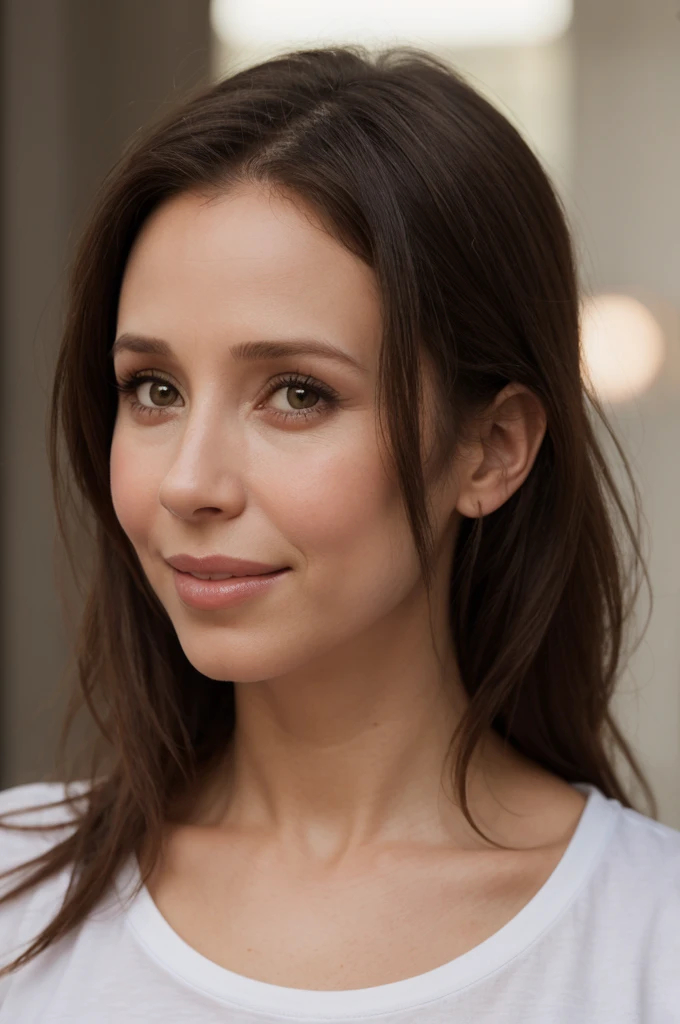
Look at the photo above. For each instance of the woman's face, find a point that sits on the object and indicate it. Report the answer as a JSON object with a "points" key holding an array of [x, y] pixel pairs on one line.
{"points": [[213, 460]]}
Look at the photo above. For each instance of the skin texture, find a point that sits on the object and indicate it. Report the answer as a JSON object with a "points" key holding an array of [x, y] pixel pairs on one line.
{"points": [[343, 720]]}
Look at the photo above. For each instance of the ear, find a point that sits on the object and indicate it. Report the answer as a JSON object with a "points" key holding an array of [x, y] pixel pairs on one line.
{"points": [[505, 440]]}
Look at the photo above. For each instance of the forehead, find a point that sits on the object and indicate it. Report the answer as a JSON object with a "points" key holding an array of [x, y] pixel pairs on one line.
{"points": [[248, 260]]}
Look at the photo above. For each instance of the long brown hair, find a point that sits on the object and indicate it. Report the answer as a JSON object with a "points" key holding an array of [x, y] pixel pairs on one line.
{"points": [[420, 177]]}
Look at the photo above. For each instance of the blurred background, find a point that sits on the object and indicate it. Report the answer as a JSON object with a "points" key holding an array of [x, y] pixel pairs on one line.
{"points": [[593, 85]]}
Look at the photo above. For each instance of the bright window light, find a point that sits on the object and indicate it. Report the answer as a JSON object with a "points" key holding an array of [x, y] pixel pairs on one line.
{"points": [[623, 346], [251, 24]]}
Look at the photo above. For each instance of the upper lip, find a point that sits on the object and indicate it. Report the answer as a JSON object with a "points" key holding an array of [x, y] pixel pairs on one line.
{"points": [[220, 563]]}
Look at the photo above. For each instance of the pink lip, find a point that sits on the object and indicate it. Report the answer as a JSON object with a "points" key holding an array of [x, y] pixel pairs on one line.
{"points": [[220, 563], [211, 594]]}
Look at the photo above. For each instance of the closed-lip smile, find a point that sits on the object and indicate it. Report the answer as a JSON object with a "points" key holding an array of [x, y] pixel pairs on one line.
{"points": [[208, 565]]}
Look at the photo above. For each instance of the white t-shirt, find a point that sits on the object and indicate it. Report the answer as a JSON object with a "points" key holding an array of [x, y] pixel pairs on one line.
{"points": [[599, 943]]}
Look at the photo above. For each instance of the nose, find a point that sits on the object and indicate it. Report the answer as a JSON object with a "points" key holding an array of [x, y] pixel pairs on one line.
{"points": [[205, 474]]}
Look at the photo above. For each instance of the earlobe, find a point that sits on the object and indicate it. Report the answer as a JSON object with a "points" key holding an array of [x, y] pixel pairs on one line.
{"points": [[472, 481], [509, 437], [471, 509], [477, 498]]}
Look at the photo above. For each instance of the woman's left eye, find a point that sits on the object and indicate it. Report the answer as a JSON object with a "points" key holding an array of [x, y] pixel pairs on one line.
{"points": [[297, 389]]}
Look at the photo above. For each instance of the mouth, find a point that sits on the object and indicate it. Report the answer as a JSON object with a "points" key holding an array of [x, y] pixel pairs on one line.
{"points": [[221, 591], [232, 576]]}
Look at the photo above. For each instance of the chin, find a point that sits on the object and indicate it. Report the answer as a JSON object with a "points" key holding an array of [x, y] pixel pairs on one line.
{"points": [[223, 664]]}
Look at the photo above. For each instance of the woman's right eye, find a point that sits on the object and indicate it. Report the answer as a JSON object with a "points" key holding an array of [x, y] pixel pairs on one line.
{"points": [[161, 391]]}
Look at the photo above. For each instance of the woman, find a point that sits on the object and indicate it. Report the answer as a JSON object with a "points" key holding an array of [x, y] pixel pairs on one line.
{"points": [[323, 330]]}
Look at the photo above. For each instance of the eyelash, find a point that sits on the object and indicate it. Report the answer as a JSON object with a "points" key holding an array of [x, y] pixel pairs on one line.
{"points": [[330, 398]]}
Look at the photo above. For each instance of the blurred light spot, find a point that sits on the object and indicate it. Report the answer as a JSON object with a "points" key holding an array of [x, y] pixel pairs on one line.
{"points": [[255, 23], [622, 346]]}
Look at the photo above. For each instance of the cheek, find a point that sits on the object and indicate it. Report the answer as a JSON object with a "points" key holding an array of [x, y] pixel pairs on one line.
{"points": [[328, 502], [134, 488], [345, 517]]}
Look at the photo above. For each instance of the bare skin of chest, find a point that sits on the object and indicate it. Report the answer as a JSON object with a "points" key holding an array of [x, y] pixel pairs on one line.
{"points": [[399, 915]]}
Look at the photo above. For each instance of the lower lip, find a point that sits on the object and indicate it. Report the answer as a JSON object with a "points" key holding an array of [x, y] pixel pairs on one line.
{"points": [[210, 594]]}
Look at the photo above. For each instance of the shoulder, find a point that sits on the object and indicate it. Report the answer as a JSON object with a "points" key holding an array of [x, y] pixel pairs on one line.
{"points": [[629, 914], [34, 794], [639, 856], [35, 803], [646, 847], [634, 891], [21, 915]]}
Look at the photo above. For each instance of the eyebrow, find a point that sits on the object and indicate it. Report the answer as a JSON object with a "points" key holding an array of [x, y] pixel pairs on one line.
{"points": [[245, 351]]}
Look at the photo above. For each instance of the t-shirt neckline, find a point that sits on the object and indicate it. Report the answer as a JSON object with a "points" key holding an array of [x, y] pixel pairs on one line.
{"points": [[175, 955]]}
